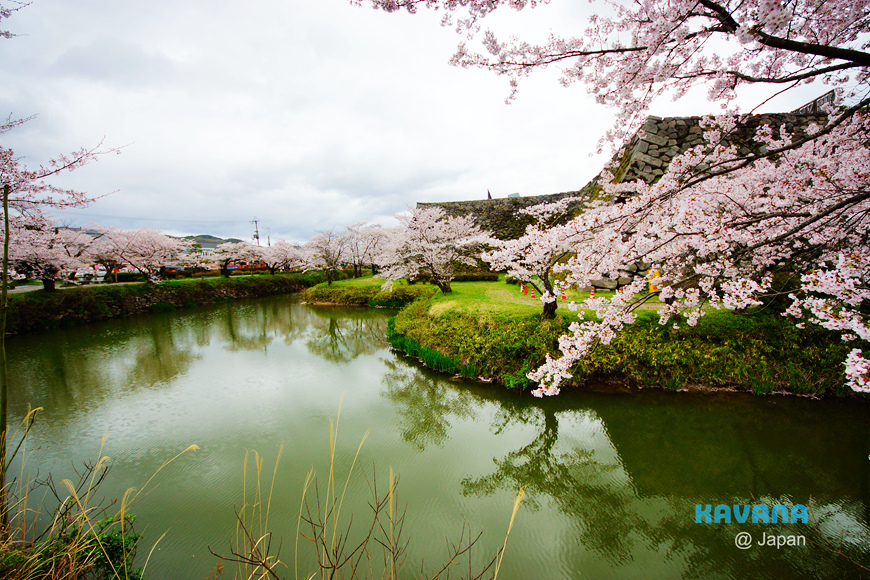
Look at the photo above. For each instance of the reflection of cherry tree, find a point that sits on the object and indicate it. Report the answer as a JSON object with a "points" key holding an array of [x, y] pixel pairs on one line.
{"points": [[582, 485], [425, 403], [242, 332], [158, 354], [257, 325], [341, 335], [626, 481]]}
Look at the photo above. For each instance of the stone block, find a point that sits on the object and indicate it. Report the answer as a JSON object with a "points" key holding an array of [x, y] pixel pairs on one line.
{"points": [[653, 138], [649, 160], [605, 284]]}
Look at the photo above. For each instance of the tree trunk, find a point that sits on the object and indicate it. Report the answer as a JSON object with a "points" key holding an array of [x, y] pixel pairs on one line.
{"points": [[48, 284], [4, 380], [444, 286], [550, 309]]}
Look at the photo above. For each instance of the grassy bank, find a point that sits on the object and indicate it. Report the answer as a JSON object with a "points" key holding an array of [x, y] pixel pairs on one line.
{"points": [[368, 292], [492, 331], [40, 310]]}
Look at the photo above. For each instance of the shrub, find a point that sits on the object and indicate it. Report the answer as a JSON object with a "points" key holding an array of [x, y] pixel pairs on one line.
{"points": [[759, 352], [401, 295], [37, 310], [476, 276]]}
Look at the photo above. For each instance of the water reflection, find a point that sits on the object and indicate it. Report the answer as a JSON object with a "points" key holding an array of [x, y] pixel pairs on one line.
{"points": [[63, 367], [340, 335], [628, 470], [612, 479], [425, 402]]}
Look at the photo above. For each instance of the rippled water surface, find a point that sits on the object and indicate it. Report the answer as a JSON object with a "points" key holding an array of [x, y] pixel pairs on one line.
{"points": [[612, 479]]}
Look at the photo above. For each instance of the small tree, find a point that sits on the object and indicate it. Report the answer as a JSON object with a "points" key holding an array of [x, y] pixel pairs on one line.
{"points": [[42, 251], [537, 251], [431, 241], [326, 251], [280, 256], [229, 252], [363, 243], [376, 236], [102, 252]]}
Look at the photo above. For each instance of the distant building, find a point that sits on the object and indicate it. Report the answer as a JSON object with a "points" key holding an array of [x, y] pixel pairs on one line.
{"points": [[206, 247]]}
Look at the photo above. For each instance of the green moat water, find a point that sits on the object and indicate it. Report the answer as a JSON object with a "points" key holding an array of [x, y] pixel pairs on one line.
{"points": [[613, 478]]}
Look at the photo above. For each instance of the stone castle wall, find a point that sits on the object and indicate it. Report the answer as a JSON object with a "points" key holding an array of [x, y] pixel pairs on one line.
{"points": [[500, 216], [650, 151], [646, 157]]}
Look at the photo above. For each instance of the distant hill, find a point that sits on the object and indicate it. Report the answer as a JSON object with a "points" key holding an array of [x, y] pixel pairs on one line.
{"points": [[210, 238]]}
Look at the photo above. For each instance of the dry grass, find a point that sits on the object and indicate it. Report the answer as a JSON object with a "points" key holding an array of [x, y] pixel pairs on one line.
{"points": [[345, 546], [60, 531]]}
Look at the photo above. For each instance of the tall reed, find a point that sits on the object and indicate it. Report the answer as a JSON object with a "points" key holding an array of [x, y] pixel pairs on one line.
{"points": [[63, 531], [345, 546]]}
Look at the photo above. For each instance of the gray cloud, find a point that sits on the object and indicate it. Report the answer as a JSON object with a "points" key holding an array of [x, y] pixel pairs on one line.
{"points": [[307, 115]]}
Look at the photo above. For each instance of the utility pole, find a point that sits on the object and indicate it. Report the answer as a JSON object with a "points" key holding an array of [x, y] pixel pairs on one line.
{"points": [[256, 231], [269, 237]]}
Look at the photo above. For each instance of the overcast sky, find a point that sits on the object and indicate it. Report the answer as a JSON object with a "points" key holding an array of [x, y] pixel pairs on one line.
{"points": [[302, 114]]}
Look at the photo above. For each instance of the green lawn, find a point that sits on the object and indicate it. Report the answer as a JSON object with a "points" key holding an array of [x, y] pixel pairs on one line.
{"points": [[489, 297]]}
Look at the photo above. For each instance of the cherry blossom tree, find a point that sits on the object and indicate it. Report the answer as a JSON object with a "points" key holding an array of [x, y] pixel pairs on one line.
{"points": [[722, 240], [431, 241], [229, 252], [281, 255], [26, 192], [102, 252], [363, 243], [42, 252], [722, 222], [531, 257], [145, 250], [326, 251], [634, 53], [6, 10]]}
